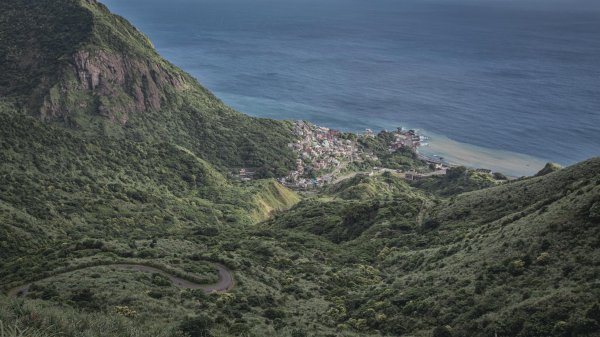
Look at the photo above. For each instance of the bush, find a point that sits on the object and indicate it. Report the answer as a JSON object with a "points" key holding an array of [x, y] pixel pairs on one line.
{"points": [[543, 258], [593, 313], [595, 211], [125, 311], [273, 313], [156, 294], [239, 329], [430, 224], [45, 293], [89, 244], [441, 331], [207, 231], [263, 250], [198, 326], [160, 280], [198, 294], [85, 298], [299, 333], [516, 267], [583, 327], [499, 176], [456, 172]]}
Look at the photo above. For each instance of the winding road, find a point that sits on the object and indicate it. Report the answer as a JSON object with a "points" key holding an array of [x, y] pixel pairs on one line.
{"points": [[225, 282]]}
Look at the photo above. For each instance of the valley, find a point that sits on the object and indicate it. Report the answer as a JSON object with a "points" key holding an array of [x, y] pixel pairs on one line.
{"points": [[123, 211]]}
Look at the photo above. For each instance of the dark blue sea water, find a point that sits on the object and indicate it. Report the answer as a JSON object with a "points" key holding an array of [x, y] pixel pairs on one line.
{"points": [[520, 76]]}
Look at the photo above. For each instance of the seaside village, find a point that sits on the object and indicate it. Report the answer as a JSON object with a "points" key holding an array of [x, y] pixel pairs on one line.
{"points": [[323, 153]]}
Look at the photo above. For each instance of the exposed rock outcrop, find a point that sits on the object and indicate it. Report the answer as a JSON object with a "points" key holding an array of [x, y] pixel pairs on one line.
{"points": [[112, 85], [549, 168]]}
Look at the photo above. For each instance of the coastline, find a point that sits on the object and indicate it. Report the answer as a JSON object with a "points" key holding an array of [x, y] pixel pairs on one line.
{"points": [[324, 154], [510, 163], [457, 153]]}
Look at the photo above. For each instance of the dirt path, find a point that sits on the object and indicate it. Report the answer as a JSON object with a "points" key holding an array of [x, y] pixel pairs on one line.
{"points": [[224, 283]]}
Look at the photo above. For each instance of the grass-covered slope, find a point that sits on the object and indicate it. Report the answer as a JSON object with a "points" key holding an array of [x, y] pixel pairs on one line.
{"points": [[516, 199], [272, 197], [520, 259], [361, 205], [74, 63], [517, 260], [56, 184], [457, 180], [363, 187], [68, 200]]}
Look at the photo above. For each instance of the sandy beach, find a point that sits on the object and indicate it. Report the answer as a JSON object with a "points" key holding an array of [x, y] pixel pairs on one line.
{"points": [[509, 163]]}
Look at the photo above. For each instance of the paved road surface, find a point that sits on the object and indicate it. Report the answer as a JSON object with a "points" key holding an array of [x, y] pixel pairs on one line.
{"points": [[224, 283]]}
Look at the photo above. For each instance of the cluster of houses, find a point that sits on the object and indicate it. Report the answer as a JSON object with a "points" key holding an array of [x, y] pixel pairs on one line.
{"points": [[323, 152], [319, 149], [407, 139]]}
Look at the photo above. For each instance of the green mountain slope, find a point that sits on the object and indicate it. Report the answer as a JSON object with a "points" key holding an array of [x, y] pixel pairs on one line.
{"points": [[361, 205], [58, 184], [517, 199], [73, 62], [457, 180], [520, 259], [102, 139]]}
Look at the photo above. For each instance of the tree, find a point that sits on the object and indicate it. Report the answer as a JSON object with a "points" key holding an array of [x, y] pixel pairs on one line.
{"points": [[499, 176], [85, 298], [299, 333], [198, 326], [441, 331], [456, 172], [594, 313], [595, 211]]}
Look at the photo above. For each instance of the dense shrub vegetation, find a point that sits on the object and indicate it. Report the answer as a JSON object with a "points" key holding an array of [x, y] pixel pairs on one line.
{"points": [[458, 180], [403, 158], [459, 255]]}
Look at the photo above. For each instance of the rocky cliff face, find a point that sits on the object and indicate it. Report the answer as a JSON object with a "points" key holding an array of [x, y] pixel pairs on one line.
{"points": [[110, 84], [65, 58]]}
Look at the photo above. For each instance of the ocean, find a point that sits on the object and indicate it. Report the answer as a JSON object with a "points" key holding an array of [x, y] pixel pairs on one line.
{"points": [[501, 84]]}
